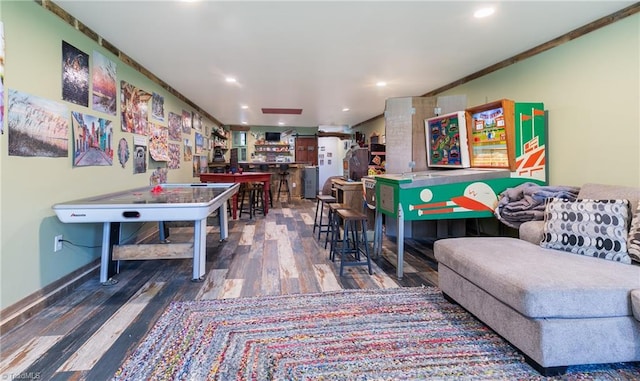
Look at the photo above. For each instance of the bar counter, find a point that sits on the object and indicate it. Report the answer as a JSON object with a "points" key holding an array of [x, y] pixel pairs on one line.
{"points": [[295, 174]]}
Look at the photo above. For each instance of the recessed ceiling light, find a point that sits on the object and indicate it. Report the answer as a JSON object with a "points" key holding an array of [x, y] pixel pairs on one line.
{"points": [[346, 109], [381, 84], [281, 123], [483, 12], [244, 107], [245, 123], [230, 80]]}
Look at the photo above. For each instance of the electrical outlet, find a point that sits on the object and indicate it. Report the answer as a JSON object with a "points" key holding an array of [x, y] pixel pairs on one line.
{"points": [[293, 185], [57, 243]]}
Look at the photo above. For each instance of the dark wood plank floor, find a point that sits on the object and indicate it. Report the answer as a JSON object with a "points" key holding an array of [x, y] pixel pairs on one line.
{"points": [[87, 334]]}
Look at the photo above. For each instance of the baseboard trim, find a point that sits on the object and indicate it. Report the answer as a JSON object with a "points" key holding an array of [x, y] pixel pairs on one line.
{"points": [[22, 310], [19, 312]]}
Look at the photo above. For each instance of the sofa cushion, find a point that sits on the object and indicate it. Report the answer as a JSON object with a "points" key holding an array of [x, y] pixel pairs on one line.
{"points": [[633, 242], [539, 282], [596, 228], [609, 192]]}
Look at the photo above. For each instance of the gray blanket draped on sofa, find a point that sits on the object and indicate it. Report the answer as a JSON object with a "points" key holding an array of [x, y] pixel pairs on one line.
{"points": [[526, 202]]}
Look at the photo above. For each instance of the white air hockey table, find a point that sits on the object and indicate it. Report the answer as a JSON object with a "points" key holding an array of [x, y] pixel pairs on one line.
{"points": [[165, 202]]}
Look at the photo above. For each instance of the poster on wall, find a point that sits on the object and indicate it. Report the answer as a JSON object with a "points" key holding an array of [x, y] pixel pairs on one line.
{"points": [[158, 142], [92, 140], [188, 150], [175, 126], [204, 164], [139, 154], [157, 107], [199, 143], [197, 122], [186, 123], [104, 92], [196, 166], [1, 78], [123, 152], [37, 126], [158, 176], [75, 75], [174, 156], [134, 103]]}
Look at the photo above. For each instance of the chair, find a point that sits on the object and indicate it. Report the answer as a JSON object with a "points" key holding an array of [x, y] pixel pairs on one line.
{"points": [[284, 179]]}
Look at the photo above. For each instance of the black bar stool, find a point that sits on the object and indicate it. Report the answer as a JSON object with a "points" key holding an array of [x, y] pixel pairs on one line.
{"points": [[321, 200], [359, 245], [255, 198], [333, 235], [284, 179]]}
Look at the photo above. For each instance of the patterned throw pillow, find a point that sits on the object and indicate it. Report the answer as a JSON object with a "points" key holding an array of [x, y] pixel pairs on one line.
{"points": [[596, 228], [633, 243]]}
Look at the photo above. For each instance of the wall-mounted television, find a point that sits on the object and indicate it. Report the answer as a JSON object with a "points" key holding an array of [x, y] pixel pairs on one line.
{"points": [[272, 136]]}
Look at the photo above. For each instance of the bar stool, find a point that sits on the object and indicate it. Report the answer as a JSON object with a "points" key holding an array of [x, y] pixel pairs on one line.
{"points": [[351, 220], [333, 235], [284, 179], [265, 168], [251, 191], [321, 200]]}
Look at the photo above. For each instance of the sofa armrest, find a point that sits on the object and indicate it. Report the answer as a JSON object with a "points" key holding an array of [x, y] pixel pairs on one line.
{"points": [[635, 303], [531, 231]]}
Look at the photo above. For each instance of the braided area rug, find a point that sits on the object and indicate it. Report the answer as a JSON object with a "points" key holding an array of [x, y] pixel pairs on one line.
{"points": [[383, 334]]}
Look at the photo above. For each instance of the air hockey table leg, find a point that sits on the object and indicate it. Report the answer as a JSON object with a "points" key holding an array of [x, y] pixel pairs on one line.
{"points": [[199, 250], [108, 267], [223, 220]]}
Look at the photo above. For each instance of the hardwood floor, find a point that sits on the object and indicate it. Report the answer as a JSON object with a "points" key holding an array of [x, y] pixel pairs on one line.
{"points": [[87, 334]]}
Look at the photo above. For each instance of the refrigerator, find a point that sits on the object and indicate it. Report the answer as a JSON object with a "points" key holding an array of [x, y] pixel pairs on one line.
{"points": [[331, 151]]}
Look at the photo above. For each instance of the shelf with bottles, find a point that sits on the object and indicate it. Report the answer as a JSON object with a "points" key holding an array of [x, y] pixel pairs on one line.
{"points": [[280, 148], [221, 133]]}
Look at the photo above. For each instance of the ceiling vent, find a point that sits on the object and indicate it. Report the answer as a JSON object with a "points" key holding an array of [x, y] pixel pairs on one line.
{"points": [[287, 111]]}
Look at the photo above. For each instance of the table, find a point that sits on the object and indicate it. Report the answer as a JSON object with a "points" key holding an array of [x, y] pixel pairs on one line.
{"points": [[245, 177], [166, 202], [349, 192], [438, 194]]}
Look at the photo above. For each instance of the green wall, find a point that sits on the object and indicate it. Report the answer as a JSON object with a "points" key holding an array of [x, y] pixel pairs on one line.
{"points": [[591, 87], [31, 185]]}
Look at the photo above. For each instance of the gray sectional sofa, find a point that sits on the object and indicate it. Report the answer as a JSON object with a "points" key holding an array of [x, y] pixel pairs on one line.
{"points": [[558, 308]]}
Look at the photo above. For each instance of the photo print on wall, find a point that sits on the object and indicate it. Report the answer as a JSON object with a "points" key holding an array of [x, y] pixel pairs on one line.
{"points": [[104, 91], [1, 78], [37, 126], [75, 75], [175, 126], [174, 156], [157, 107], [186, 122], [92, 140], [134, 103], [139, 154], [123, 152], [158, 142]]}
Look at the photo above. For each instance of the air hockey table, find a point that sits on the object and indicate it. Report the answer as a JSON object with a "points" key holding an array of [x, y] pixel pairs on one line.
{"points": [[165, 202]]}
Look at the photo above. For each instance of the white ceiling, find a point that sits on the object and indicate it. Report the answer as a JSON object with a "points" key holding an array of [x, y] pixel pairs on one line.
{"points": [[322, 56]]}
